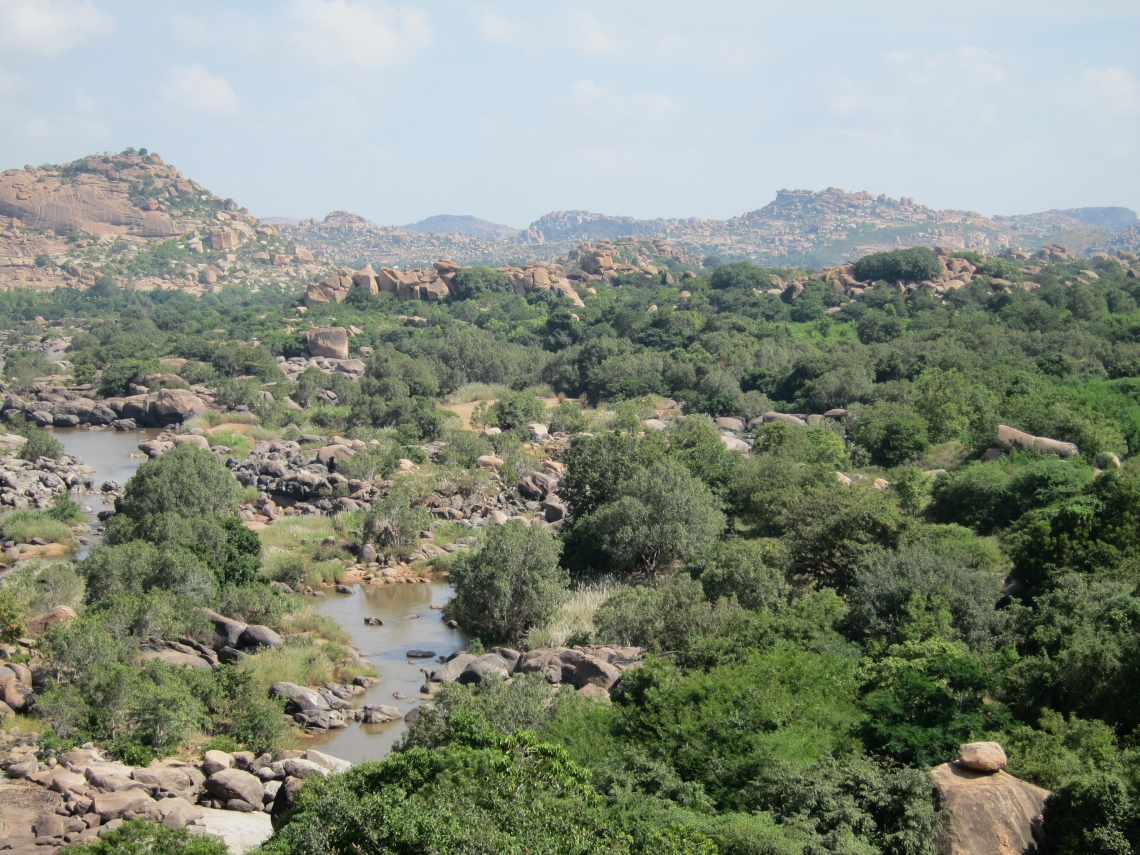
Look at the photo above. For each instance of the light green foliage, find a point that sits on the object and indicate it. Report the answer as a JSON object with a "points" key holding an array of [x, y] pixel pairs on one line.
{"points": [[660, 617], [142, 837], [912, 488], [511, 583], [567, 417], [11, 617]]}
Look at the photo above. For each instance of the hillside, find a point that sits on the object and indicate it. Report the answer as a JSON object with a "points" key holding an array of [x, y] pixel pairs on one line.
{"points": [[799, 227], [138, 220]]}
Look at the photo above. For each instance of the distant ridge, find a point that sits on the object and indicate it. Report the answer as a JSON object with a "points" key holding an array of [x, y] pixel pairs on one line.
{"points": [[453, 224]]}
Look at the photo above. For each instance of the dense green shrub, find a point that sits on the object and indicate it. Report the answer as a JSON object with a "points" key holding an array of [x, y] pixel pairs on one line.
{"points": [[511, 583], [898, 265], [891, 433]]}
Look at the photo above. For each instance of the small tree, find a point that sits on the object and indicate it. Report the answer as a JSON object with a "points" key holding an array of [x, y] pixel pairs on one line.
{"points": [[892, 433], [509, 585], [663, 515], [187, 481]]}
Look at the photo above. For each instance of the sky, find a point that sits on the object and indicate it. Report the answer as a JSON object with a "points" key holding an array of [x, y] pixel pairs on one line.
{"points": [[509, 110]]}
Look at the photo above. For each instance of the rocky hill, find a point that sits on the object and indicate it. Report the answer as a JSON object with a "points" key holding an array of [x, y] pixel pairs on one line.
{"points": [[798, 228], [463, 225], [134, 218]]}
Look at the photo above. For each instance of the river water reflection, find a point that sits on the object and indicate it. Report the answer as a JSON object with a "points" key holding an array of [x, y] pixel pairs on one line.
{"points": [[109, 454]]}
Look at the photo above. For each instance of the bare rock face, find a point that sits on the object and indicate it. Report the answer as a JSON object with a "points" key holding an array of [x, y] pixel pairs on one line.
{"points": [[331, 343], [988, 813]]}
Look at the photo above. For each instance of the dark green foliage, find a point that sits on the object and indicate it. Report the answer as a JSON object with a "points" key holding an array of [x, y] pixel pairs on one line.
{"points": [[740, 275], [513, 582], [746, 570], [516, 410], [1093, 815], [899, 265], [891, 583], [39, 443], [472, 283], [187, 481], [482, 792], [597, 465], [891, 433], [832, 531], [662, 514]]}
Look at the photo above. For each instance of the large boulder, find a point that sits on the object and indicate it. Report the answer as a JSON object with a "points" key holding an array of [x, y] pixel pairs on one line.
{"points": [[450, 672], [227, 631], [229, 784], [329, 342], [562, 665], [987, 813], [982, 756], [256, 635], [299, 698], [111, 806], [40, 624], [173, 406], [488, 663]]}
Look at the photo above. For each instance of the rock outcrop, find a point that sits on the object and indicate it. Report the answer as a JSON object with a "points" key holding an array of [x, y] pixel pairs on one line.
{"points": [[985, 810]]}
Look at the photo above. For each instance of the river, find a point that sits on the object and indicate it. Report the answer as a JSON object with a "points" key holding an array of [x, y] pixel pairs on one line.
{"points": [[109, 454]]}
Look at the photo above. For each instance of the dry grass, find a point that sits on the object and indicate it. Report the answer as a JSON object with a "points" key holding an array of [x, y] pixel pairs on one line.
{"points": [[575, 617]]}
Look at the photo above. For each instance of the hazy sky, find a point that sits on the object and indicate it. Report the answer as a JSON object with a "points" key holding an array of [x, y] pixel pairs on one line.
{"points": [[508, 110]]}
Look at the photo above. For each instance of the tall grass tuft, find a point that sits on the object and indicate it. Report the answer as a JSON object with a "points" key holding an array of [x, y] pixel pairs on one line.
{"points": [[574, 621]]}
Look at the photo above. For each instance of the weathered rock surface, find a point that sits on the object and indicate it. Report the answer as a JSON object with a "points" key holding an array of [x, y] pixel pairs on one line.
{"points": [[987, 813]]}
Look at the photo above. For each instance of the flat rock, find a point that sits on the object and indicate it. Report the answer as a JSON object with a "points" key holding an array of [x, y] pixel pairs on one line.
{"points": [[239, 831]]}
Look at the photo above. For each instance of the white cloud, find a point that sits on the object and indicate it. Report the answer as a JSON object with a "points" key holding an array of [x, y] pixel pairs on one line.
{"points": [[1106, 94], [51, 27], [362, 34], [192, 87], [605, 103]]}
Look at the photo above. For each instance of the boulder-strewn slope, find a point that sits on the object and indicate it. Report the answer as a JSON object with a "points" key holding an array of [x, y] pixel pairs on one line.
{"points": [[798, 228]]}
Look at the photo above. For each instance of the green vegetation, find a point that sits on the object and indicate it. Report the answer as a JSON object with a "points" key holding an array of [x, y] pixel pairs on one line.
{"points": [[827, 617]]}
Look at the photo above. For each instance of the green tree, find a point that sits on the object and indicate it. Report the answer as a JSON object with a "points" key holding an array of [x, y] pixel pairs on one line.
{"points": [[596, 466], [515, 410], [11, 617], [186, 481], [143, 837], [662, 515], [511, 583], [474, 283], [900, 265], [893, 434], [745, 569]]}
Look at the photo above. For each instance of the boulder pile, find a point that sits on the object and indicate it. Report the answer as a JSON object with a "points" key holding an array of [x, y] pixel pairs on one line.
{"points": [[82, 793], [588, 669], [434, 284], [49, 406], [36, 484]]}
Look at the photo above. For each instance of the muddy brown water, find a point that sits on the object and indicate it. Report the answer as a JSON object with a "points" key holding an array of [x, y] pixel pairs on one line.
{"points": [[109, 454]]}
